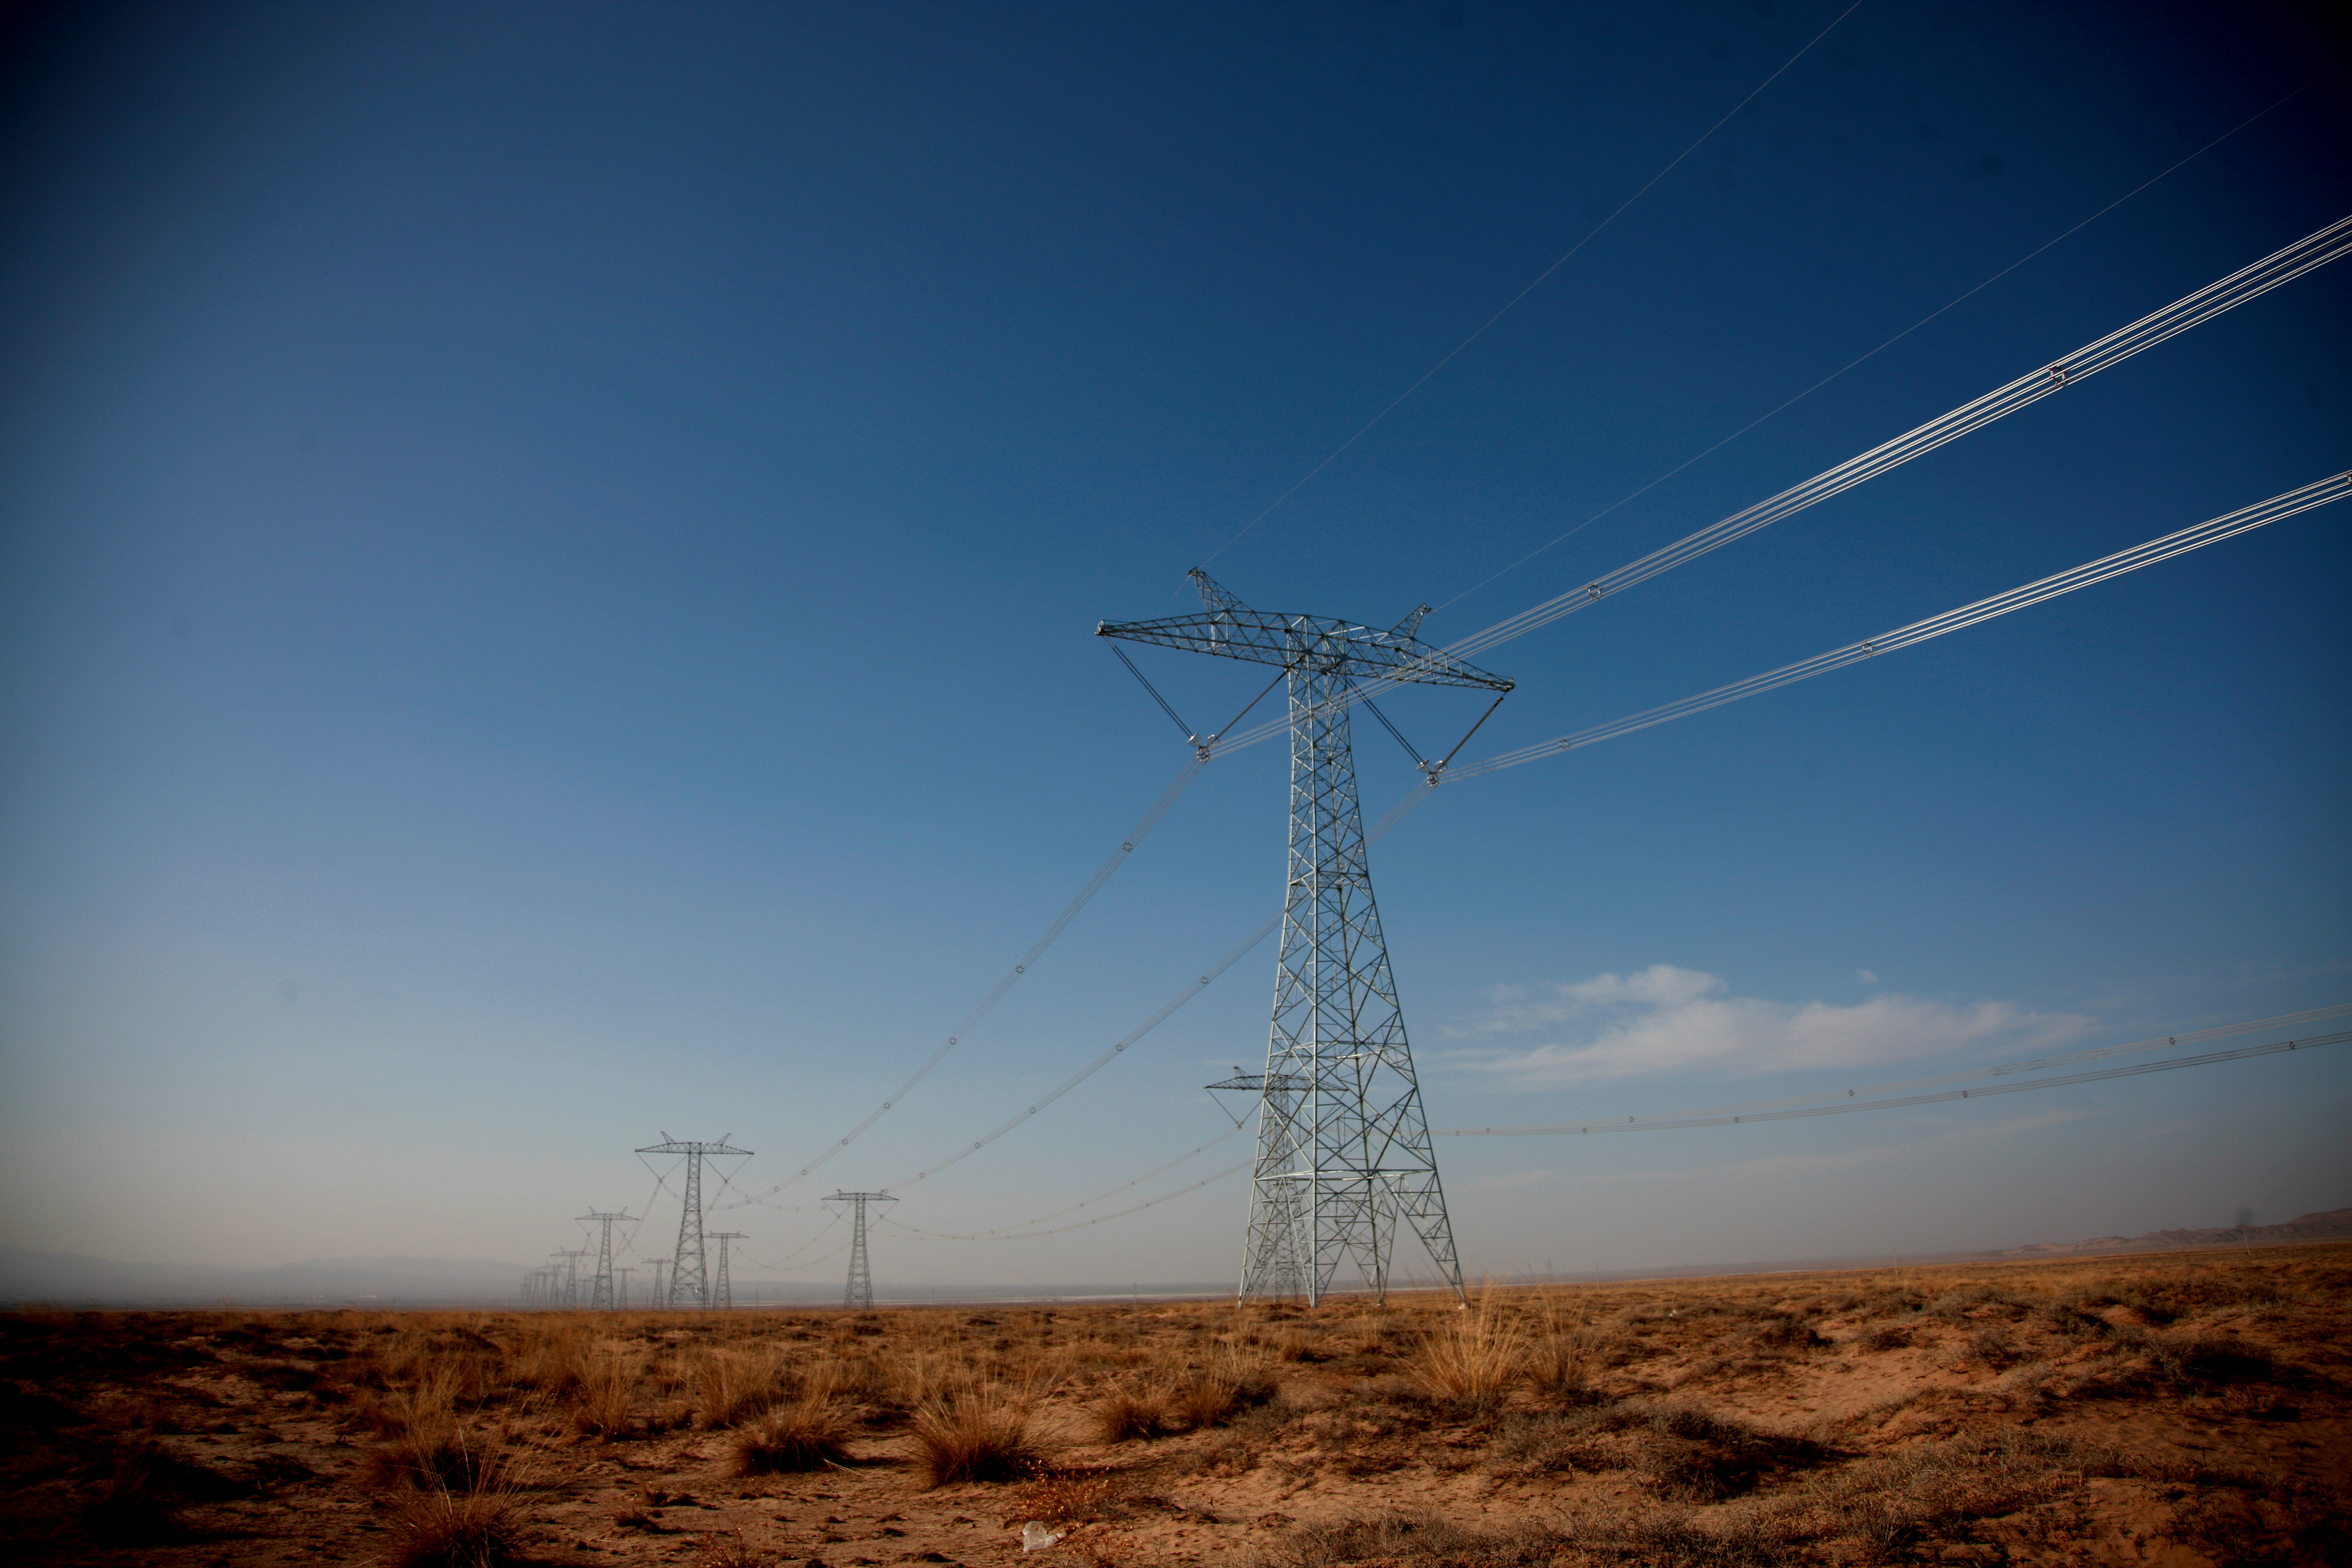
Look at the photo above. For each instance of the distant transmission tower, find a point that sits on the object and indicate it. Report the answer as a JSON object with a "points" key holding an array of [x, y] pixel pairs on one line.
{"points": [[600, 1292], [621, 1289], [860, 1290], [659, 1301], [571, 1268], [1343, 1148], [722, 1295], [689, 1278]]}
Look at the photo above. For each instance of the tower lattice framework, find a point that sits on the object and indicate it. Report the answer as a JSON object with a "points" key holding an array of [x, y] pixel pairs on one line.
{"points": [[722, 1293], [601, 1298], [859, 1291], [690, 1274], [1343, 1146]]}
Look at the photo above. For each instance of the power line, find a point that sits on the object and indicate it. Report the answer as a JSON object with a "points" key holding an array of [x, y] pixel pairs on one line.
{"points": [[2248, 282], [1513, 304], [1080, 1224], [2332, 488], [1782, 408], [1103, 873], [1844, 1108], [1087, 1203], [1118, 1048], [2004, 1069]]}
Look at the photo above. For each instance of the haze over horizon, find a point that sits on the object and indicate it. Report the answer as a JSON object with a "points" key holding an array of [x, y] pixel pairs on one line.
{"points": [[551, 557]]}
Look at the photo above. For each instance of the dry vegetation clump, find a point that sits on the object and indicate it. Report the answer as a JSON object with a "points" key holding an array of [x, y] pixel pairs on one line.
{"points": [[807, 1433], [979, 1433], [731, 1386], [1129, 1412], [1473, 1360], [444, 1454], [602, 1406], [439, 1528], [1684, 1453]]}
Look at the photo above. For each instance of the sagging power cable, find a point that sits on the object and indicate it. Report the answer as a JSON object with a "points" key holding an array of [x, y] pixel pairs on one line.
{"points": [[1077, 1224], [2333, 489], [1843, 1108], [2248, 282], [1118, 858], [1708, 1114], [1779, 409], [1533, 285]]}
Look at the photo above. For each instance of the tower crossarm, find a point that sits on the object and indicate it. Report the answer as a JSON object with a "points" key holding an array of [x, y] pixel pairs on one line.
{"points": [[689, 1146], [1231, 630]]}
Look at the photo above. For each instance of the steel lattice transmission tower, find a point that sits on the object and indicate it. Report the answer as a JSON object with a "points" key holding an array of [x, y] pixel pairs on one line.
{"points": [[571, 1267], [722, 1295], [860, 1293], [600, 1292], [1343, 1149], [689, 1277]]}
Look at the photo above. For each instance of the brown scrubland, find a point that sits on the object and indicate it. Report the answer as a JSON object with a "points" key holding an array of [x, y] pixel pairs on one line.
{"points": [[2180, 1409]]}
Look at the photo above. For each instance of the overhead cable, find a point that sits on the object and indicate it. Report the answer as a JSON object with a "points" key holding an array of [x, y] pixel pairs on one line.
{"points": [[2006, 1069], [1119, 1047], [1078, 1224], [1162, 1169], [1103, 873], [1841, 1108], [1512, 304], [1116, 1049], [2332, 488], [1950, 304], [2247, 283]]}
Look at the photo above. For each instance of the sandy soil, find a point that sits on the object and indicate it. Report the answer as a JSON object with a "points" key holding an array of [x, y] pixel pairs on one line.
{"points": [[2180, 1410]]}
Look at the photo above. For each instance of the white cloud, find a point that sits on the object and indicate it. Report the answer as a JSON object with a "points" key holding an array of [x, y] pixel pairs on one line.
{"points": [[1867, 976], [1669, 1019]]}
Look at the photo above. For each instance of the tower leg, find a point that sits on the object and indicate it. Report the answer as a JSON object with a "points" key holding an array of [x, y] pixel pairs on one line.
{"points": [[689, 1279], [1343, 1144]]}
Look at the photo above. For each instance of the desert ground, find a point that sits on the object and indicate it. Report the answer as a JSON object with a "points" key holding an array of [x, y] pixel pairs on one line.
{"points": [[2180, 1409]]}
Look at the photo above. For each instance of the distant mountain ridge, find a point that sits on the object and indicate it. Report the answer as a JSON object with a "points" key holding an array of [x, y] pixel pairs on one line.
{"points": [[2327, 1225]]}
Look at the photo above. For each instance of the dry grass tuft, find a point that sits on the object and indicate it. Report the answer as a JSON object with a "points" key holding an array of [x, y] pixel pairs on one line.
{"points": [[806, 1435], [607, 1391], [977, 1434], [731, 1386], [444, 1529], [1129, 1413], [1217, 1393], [440, 1456], [1472, 1361]]}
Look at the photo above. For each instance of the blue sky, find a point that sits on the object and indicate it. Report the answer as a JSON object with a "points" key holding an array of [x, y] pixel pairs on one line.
{"points": [[552, 552]]}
